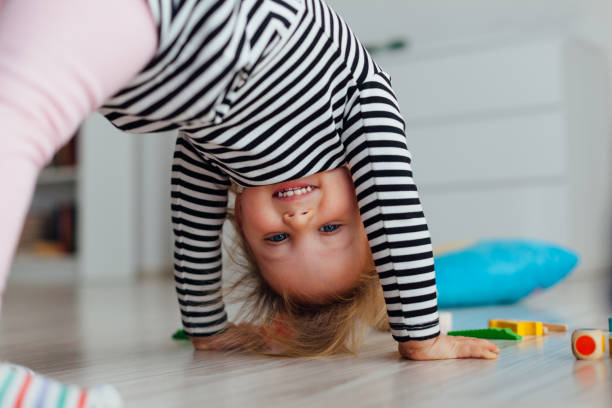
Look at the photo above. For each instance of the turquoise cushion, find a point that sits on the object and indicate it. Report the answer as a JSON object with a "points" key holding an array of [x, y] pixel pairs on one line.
{"points": [[499, 271]]}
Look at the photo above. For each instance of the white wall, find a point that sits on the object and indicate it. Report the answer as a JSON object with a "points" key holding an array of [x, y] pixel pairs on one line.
{"points": [[125, 225], [155, 227]]}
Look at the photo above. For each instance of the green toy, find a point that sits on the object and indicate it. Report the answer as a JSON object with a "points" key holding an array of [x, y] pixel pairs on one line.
{"points": [[180, 335], [500, 334]]}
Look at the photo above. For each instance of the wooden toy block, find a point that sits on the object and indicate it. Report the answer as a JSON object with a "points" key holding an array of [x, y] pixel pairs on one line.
{"points": [[555, 327], [588, 344], [522, 328], [610, 344], [501, 334]]}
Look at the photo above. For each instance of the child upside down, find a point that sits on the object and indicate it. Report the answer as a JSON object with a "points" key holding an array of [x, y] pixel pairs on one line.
{"points": [[313, 286], [264, 94]]}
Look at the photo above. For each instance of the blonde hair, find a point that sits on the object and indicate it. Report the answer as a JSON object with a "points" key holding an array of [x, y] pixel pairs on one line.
{"points": [[301, 329]]}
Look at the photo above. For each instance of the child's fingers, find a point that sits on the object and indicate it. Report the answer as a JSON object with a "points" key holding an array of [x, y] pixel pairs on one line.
{"points": [[445, 347], [485, 344], [476, 348]]}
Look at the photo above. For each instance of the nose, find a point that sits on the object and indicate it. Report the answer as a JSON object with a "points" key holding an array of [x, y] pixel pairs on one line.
{"points": [[298, 218]]}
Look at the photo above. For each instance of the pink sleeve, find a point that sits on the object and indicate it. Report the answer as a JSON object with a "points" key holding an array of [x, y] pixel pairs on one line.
{"points": [[59, 60]]}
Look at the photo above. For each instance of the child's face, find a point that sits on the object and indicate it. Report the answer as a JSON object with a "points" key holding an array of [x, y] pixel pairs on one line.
{"points": [[310, 245]]}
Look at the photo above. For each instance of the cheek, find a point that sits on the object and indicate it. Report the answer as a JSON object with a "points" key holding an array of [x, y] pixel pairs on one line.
{"points": [[341, 203], [341, 191], [257, 214], [279, 277]]}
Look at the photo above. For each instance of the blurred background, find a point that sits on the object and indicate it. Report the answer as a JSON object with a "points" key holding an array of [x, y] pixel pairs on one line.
{"points": [[508, 118]]}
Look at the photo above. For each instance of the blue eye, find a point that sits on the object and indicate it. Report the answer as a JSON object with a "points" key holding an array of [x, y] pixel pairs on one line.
{"points": [[329, 228], [277, 237]]}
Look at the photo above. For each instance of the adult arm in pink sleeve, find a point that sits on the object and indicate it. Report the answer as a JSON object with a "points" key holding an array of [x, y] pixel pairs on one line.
{"points": [[59, 61]]}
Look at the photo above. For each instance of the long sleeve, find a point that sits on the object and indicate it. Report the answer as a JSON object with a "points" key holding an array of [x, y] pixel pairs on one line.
{"points": [[206, 52], [391, 211], [58, 62], [199, 204]]}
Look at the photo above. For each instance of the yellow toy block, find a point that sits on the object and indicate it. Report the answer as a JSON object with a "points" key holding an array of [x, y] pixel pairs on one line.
{"points": [[522, 328], [588, 344]]}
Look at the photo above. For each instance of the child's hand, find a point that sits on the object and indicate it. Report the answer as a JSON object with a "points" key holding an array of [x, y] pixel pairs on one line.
{"points": [[445, 347]]}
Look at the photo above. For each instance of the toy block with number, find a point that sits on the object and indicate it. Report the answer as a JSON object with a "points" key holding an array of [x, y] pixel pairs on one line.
{"points": [[522, 328], [588, 344]]}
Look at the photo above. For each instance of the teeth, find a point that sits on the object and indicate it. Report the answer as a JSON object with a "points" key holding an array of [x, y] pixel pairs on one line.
{"points": [[294, 191]]}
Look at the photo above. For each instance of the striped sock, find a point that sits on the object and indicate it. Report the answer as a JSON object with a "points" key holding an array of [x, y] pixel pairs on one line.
{"points": [[20, 387]]}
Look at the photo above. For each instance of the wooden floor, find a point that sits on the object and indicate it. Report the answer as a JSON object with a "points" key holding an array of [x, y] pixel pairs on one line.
{"points": [[121, 335]]}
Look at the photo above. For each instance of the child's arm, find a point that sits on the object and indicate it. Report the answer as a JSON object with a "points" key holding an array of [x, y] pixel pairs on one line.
{"points": [[391, 211], [380, 164], [199, 204], [58, 61]]}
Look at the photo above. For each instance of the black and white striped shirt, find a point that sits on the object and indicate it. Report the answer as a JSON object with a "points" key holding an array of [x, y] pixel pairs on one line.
{"points": [[266, 91]]}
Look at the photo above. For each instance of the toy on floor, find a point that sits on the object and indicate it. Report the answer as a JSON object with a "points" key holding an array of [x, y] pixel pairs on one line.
{"points": [[180, 335], [522, 328], [610, 324], [556, 327], [499, 334], [588, 344], [20, 387]]}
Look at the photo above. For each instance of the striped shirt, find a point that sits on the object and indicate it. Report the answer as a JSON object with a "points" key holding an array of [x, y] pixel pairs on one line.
{"points": [[266, 91]]}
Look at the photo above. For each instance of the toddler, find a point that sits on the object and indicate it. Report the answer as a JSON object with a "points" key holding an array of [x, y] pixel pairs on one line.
{"points": [[272, 95]]}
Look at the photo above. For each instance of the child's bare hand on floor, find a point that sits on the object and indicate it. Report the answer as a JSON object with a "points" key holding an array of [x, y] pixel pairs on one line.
{"points": [[446, 347]]}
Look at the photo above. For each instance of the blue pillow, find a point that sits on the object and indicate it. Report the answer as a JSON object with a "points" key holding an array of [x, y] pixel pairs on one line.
{"points": [[499, 271]]}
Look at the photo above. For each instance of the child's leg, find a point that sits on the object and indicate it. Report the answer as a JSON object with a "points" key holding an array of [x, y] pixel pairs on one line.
{"points": [[59, 61], [22, 388]]}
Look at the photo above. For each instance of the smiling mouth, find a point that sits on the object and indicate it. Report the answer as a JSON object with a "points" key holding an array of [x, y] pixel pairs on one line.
{"points": [[294, 191]]}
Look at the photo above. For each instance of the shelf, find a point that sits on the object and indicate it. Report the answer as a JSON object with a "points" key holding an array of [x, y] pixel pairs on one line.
{"points": [[58, 175]]}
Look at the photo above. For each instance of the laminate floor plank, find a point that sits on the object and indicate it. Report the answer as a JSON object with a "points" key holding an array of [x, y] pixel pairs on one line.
{"points": [[120, 335]]}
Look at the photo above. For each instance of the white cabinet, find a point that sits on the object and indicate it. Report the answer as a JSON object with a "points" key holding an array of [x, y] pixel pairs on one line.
{"points": [[512, 141], [507, 117]]}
